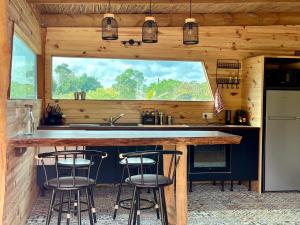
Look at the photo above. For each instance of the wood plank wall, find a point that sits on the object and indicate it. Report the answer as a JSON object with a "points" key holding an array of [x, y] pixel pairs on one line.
{"points": [[26, 23], [252, 102], [21, 186], [20, 171], [4, 70], [215, 43]]}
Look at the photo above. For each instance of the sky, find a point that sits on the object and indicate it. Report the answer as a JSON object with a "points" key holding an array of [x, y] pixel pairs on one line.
{"points": [[105, 70]]}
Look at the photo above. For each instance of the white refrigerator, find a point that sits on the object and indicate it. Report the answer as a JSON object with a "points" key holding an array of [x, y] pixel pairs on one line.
{"points": [[282, 141]]}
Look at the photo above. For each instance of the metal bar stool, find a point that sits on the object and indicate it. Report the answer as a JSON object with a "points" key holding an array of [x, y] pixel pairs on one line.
{"points": [[70, 184], [156, 180], [134, 163], [80, 162]]}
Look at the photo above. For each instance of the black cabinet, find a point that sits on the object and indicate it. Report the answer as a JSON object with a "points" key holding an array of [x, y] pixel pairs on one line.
{"points": [[245, 155], [243, 159]]}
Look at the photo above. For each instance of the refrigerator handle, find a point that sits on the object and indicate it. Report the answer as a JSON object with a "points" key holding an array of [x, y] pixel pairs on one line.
{"points": [[283, 117]]}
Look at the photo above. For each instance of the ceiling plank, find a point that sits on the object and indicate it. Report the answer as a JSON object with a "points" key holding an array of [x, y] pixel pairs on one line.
{"points": [[174, 20], [157, 1]]}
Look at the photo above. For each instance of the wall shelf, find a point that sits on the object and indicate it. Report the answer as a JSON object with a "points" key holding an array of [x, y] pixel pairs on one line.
{"points": [[227, 73]]}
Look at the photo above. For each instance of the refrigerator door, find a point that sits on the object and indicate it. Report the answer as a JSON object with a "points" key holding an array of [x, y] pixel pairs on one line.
{"points": [[282, 149]]}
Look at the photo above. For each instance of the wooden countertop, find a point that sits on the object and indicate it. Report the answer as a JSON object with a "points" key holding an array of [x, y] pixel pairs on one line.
{"points": [[208, 127], [122, 138]]}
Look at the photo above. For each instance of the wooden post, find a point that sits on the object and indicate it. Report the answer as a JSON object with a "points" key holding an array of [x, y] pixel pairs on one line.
{"points": [[181, 187], [4, 73], [170, 190]]}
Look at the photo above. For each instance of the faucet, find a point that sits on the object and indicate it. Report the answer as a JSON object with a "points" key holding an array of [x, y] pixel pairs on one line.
{"points": [[113, 120]]}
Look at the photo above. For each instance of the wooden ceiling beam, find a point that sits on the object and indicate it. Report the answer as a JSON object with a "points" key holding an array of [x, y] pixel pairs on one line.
{"points": [[155, 1], [174, 20]]}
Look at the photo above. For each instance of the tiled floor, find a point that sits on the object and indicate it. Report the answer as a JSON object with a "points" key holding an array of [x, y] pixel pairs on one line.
{"points": [[207, 206]]}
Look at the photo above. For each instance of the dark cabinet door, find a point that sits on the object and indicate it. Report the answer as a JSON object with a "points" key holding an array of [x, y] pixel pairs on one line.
{"points": [[245, 155]]}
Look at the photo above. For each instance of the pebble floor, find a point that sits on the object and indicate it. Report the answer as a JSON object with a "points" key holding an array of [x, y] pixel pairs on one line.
{"points": [[207, 206]]}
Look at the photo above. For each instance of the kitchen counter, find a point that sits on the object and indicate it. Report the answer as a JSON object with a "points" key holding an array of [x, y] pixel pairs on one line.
{"points": [[181, 139], [145, 127], [121, 137]]}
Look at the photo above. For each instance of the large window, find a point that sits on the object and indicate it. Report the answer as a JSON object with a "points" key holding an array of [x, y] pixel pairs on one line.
{"points": [[124, 79], [23, 71]]}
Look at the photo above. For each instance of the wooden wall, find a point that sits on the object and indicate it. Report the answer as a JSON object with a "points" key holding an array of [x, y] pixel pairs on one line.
{"points": [[19, 177], [26, 23], [215, 43], [21, 186], [252, 102], [4, 70]]}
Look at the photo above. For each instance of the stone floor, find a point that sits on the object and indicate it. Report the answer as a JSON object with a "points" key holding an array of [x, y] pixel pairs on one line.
{"points": [[207, 206]]}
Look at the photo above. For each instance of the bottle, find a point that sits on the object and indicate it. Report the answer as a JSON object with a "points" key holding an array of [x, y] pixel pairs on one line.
{"points": [[161, 118], [28, 122], [228, 117], [170, 120]]}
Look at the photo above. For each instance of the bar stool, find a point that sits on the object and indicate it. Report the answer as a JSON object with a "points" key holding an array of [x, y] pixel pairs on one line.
{"points": [[135, 163], [72, 183], [81, 162], [156, 180]]}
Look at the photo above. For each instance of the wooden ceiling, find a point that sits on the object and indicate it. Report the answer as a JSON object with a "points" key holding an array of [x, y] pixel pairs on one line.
{"points": [[88, 13], [164, 6]]}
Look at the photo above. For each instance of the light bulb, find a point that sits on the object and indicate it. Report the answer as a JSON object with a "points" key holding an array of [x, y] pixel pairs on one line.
{"points": [[108, 27]]}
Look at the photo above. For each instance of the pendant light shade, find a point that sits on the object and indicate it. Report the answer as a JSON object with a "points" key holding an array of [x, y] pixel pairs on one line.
{"points": [[190, 30], [109, 26], [150, 29]]}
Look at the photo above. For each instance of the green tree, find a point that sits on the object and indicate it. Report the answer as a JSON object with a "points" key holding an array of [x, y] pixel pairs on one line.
{"points": [[103, 93], [67, 80], [87, 83], [130, 84], [22, 91], [164, 90]]}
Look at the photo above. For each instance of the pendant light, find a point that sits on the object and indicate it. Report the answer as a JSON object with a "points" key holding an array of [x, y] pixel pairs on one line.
{"points": [[150, 29], [190, 30], [109, 26]]}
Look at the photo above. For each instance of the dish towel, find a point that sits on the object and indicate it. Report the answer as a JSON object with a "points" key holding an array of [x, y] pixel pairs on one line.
{"points": [[219, 103]]}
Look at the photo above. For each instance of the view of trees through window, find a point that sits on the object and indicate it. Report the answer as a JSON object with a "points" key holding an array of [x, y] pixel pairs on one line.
{"points": [[124, 79], [23, 71]]}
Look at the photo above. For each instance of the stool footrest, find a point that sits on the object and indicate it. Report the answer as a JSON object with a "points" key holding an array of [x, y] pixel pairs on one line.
{"points": [[151, 203]]}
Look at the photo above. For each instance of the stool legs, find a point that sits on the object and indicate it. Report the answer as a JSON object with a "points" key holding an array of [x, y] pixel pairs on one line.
{"points": [[50, 207], [89, 205], [132, 206], [60, 207], [156, 203], [91, 191], [78, 208], [138, 207], [163, 208], [119, 195], [69, 208]]}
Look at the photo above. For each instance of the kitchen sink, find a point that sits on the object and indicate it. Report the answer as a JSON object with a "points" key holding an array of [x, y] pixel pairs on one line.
{"points": [[84, 125]]}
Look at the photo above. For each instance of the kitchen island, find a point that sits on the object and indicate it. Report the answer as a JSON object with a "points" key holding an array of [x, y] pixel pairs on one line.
{"points": [[169, 139]]}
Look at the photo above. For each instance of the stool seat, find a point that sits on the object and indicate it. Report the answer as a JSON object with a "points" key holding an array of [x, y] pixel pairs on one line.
{"points": [[67, 182], [79, 162], [136, 161], [149, 180]]}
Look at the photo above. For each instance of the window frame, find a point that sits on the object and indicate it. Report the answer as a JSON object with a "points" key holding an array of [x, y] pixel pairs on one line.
{"points": [[127, 100], [20, 36]]}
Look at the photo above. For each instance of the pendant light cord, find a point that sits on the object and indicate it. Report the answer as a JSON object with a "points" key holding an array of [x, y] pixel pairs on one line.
{"points": [[190, 8], [109, 6], [150, 7]]}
